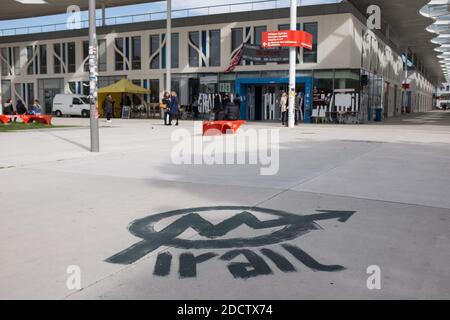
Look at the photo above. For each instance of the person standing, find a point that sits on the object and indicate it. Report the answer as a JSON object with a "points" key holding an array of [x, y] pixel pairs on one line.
{"points": [[174, 108], [283, 108], [298, 108], [165, 107], [108, 107], [232, 110]]}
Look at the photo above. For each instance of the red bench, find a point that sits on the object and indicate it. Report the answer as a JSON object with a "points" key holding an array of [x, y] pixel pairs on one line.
{"points": [[222, 127], [26, 118], [5, 119], [45, 119]]}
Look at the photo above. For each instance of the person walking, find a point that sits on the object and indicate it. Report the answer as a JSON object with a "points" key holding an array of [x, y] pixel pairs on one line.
{"points": [[174, 108], [108, 107], [283, 108]]}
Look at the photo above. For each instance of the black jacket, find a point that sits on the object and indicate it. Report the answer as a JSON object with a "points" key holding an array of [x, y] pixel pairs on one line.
{"points": [[232, 111], [108, 106], [21, 109]]}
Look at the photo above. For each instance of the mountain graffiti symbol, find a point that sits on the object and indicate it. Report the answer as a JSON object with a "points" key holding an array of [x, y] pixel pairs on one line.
{"points": [[294, 227]]}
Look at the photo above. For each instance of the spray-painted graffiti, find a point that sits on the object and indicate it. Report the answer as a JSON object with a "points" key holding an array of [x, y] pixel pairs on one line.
{"points": [[284, 227]]}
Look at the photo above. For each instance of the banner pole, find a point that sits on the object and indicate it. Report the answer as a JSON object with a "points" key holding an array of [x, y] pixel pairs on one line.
{"points": [[292, 68]]}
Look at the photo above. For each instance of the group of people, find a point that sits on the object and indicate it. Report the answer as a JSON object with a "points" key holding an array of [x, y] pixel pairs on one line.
{"points": [[21, 109], [284, 103], [171, 107]]}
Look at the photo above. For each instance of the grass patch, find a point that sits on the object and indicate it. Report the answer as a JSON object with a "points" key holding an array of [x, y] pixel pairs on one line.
{"points": [[16, 126]]}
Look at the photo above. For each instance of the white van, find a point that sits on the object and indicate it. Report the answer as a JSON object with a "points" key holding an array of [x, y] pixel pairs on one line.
{"points": [[71, 105]]}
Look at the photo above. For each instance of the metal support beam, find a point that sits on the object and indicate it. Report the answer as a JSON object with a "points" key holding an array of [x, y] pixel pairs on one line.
{"points": [[169, 47], [93, 74], [292, 68], [103, 14]]}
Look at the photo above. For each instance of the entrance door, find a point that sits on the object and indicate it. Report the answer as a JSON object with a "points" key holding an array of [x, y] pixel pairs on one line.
{"points": [[258, 103], [49, 95]]}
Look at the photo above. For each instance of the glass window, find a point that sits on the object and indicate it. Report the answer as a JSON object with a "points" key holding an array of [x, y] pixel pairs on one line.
{"points": [[17, 60], [194, 57], [72, 65], [237, 38], [154, 47], [347, 79], [323, 80], [136, 53], [72, 87], [6, 90], [310, 56], [76, 101], [154, 87], [175, 50], [214, 48], [119, 54], [30, 92], [85, 89], [42, 59], [5, 67], [258, 34], [258, 38], [86, 55], [30, 54], [57, 57], [176, 86], [102, 56]]}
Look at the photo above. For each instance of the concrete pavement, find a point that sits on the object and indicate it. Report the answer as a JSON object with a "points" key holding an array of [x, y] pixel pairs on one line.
{"points": [[345, 198]]}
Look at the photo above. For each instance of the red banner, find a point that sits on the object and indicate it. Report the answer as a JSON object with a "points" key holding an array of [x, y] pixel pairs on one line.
{"points": [[287, 38]]}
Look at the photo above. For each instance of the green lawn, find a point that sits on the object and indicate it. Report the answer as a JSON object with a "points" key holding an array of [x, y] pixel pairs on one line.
{"points": [[21, 126]]}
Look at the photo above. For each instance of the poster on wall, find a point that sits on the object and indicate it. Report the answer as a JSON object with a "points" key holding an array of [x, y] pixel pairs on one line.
{"points": [[225, 87]]}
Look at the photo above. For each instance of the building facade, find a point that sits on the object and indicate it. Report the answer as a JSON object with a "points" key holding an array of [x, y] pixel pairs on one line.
{"points": [[346, 58]]}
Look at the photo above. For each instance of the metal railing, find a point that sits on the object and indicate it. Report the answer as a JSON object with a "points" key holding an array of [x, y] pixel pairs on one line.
{"points": [[155, 16]]}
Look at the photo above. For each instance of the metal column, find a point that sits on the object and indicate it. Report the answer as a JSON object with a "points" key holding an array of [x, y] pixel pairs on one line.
{"points": [[292, 68], [169, 47], [93, 59]]}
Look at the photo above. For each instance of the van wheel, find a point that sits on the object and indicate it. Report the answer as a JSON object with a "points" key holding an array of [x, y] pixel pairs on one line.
{"points": [[85, 114], [58, 114]]}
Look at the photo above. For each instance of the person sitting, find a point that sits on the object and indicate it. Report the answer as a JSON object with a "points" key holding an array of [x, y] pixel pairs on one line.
{"points": [[20, 107], [232, 111], [36, 109], [8, 109]]}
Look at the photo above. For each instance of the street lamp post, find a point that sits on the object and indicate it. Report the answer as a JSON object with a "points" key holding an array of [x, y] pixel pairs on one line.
{"points": [[292, 68], [93, 74], [169, 47]]}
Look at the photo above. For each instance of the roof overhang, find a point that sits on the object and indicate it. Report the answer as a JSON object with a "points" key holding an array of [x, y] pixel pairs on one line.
{"points": [[410, 26], [12, 9]]}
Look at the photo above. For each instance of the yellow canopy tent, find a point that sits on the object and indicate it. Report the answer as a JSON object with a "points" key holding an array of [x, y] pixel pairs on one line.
{"points": [[117, 90]]}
